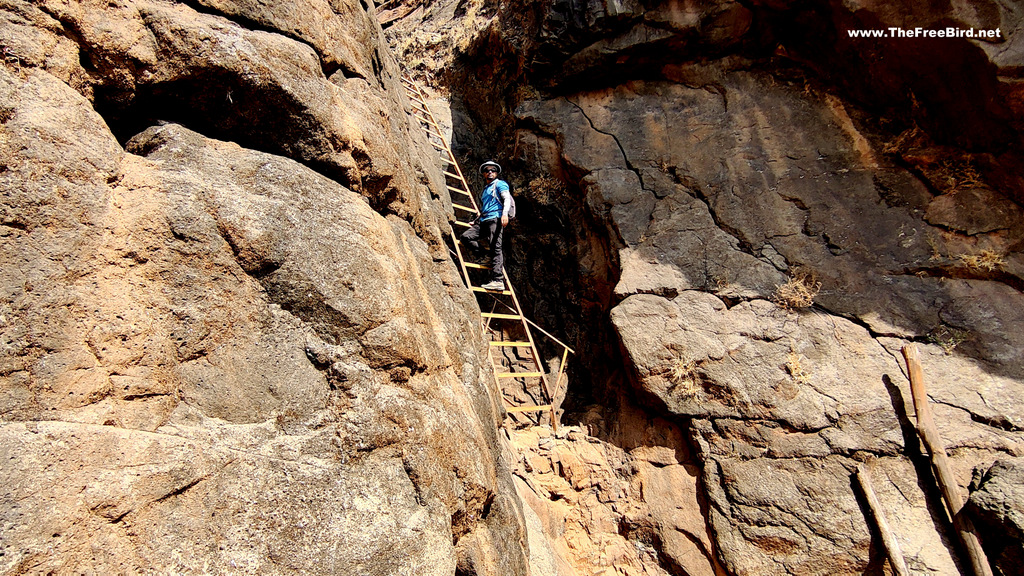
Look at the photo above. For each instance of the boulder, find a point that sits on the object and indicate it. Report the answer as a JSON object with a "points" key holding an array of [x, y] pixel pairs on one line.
{"points": [[786, 403], [732, 199], [269, 87], [996, 500], [214, 356], [995, 505]]}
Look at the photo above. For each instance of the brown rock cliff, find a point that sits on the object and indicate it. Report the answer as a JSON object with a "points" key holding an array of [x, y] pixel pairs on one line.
{"points": [[680, 164], [232, 341]]}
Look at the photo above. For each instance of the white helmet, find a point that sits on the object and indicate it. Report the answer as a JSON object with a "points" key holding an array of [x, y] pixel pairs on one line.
{"points": [[490, 164]]}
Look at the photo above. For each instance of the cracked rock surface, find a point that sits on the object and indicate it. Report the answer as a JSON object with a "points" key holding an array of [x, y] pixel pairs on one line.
{"points": [[215, 358], [715, 198], [628, 506], [690, 159], [711, 214]]}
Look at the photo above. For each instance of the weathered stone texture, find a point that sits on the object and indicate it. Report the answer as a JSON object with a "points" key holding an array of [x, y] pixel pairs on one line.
{"points": [[733, 200], [997, 505], [629, 505], [716, 185], [710, 151], [216, 359], [146, 61]]}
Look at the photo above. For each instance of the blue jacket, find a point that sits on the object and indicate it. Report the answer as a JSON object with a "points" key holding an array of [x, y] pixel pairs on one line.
{"points": [[495, 201]]}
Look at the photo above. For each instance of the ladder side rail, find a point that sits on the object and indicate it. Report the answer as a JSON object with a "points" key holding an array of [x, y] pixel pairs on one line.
{"points": [[529, 337], [448, 149], [458, 252], [427, 120], [558, 386]]}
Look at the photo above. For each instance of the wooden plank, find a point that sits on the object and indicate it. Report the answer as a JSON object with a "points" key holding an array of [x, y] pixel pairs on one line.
{"points": [[480, 266], [511, 344], [466, 208], [940, 463], [892, 547], [501, 316], [527, 408], [459, 190], [428, 122], [554, 391], [548, 334], [480, 289], [519, 374], [447, 173], [466, 224], [533, 348]]}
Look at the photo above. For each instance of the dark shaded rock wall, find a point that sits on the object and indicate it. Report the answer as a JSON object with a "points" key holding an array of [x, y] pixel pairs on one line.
{"points": [[679, 162]]}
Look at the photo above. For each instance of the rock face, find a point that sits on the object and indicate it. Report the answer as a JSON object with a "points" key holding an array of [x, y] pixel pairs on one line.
{"points": [[996, 504], [218, 358], [310, 82], [630, 506], [712, 170]]}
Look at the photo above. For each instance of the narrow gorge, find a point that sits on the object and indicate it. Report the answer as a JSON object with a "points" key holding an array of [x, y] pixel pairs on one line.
{"points": [[234, 338]]}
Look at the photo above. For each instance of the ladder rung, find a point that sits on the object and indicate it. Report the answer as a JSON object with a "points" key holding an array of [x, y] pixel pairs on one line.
{"points": [[466, 192], [466, 224], [481, 266], [438, 146], [501, 316], [527, 408], [447, 173], [426, 123], [466, 208], [519, 374], [511, 344], [426, 120], [479, 289]]}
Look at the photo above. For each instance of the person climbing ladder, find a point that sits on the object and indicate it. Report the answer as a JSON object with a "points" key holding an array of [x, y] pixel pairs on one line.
{"points": [[496, 208]]}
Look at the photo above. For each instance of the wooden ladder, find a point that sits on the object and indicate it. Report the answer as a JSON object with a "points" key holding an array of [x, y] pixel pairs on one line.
{"points": [[466, 210]]}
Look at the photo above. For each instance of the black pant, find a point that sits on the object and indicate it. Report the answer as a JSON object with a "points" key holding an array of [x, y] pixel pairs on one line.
{"points": [[492, 231]]}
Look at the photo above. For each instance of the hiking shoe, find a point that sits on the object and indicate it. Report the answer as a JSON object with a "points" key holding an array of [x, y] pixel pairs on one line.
{"points": [[497, 285]]}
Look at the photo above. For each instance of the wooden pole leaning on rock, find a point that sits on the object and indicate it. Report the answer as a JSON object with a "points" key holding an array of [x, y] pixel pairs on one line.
{"points": [[944, 476], [892, 547]]}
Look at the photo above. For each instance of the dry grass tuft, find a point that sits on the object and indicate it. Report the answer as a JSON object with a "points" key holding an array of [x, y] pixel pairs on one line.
{"points": [[936, 251], [903, 141], [985, 261], [524, 93], [796, 369], [948, 338], [799, 292], [958, 174], [683, 375], [545, 189], [722, 283]]}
